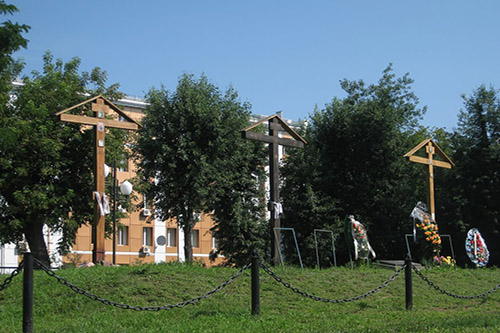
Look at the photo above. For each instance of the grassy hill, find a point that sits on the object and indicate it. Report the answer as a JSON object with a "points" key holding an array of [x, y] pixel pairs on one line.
{"points": [[59, 309]]}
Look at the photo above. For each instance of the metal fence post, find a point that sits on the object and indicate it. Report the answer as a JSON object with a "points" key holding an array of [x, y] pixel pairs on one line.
{"points": [[408, 284], [255, 286], [28, 293]]}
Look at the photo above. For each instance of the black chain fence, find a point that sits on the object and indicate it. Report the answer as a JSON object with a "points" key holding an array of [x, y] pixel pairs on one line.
{"points": [[266, 268], [327, 300], [104, 301], [8, 280], [443, 291]]}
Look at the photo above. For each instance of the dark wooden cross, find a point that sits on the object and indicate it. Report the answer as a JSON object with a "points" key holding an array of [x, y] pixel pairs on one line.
{"points": [[100, 106], [431, 148], [291, 139]]}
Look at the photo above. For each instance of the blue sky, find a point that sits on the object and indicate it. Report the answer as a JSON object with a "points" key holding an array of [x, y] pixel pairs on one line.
{"points": [[279, 55]]}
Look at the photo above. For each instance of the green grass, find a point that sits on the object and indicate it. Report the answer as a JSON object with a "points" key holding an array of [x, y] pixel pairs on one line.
{"points": [[58, 309]]}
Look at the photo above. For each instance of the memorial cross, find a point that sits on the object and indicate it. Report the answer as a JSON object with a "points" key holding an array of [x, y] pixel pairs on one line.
{"points": [[276, 125], [431, 148], [100, 106]]}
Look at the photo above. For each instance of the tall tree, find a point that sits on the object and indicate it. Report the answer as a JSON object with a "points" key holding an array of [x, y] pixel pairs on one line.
{"points": [[473, 199], [189, 147], [45, 164], [353, 165]]}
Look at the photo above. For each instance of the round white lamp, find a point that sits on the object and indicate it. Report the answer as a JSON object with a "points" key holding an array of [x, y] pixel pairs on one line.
{"points": [[126, 188], [107, 169]]}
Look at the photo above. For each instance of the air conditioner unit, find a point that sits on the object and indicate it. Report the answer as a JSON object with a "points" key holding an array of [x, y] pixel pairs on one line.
{"points": [[146, 250], [146, 212]]}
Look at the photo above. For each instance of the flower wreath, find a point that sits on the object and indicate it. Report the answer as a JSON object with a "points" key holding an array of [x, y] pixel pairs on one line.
{"points": [[476, 249]]}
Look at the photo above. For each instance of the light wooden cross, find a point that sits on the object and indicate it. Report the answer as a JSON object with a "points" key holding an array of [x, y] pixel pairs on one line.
{"points": [[431, 148], [100, 106], [276, 125]]}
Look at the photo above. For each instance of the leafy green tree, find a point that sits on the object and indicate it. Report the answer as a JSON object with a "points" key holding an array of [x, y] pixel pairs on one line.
{"points": [[46, 164], [353, 164], [239, 212], [11, 40], [190, 148], [473, 196]]}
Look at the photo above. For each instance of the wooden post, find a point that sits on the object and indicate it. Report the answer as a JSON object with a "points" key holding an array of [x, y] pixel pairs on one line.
{"points": [[408, 284], [114, 212], [430, 178], [100, 106], [255, 285], [99, 219], [431, 148], [274, 185], [28, 293], [276, 125]]}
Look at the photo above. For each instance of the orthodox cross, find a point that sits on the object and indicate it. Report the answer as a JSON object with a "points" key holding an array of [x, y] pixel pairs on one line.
{"points": [[431, 148], [100, 106], [276, 125]]}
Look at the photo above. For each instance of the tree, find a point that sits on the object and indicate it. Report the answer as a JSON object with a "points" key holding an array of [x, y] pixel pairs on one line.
{"points": [[473, 194], [353, 164], [11, 40], [190, 151], [46, 164]]}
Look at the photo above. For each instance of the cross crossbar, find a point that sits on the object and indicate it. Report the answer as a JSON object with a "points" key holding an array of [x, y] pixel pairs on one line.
{"points": [[273, 139], [84, 120], [423, 160]]}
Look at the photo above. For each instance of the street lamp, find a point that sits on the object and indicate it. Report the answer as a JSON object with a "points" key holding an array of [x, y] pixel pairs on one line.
{"points": [[125, 189]]}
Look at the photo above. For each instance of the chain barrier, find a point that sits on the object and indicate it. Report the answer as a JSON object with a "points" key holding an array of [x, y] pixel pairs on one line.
{"points": [[327, 300], [435, 286], [11, 276], [104, 301]]}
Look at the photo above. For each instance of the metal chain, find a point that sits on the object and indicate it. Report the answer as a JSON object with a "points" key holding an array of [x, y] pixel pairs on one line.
{"points": [[327, 300], [104, 301], [435, 286], [11, 276]]}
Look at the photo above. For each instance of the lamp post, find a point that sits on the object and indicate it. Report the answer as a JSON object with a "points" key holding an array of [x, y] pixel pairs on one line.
{"points": [[125, 189]]}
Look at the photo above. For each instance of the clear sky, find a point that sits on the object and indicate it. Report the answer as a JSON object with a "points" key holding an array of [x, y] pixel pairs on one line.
{"points": [[279, 55]]}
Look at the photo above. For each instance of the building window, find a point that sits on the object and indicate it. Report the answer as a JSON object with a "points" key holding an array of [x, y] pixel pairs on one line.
{"points": [[122, 235], [171, 237], [146, 203], [195, 238], [215, 242], [147, 236], [123, 164]]}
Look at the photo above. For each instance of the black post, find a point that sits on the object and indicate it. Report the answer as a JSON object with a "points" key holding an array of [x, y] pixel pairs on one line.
{"points": [[114, 212], [255, 286], [28, 293], [408, 284]]}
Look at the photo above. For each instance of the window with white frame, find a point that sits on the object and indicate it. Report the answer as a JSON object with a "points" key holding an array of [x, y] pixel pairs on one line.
{"points": [[215, 242], [147, 236], [123, 235], [195, 238], [171, 237], [145, 203]]}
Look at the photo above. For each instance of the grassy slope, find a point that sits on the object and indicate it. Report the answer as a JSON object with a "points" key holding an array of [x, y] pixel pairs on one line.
{"points": [[58, 309]]}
